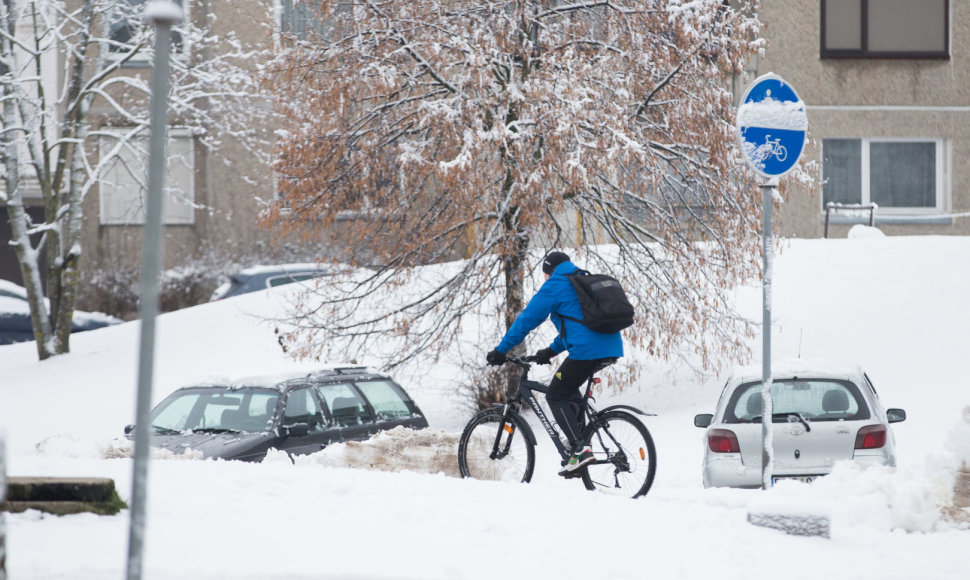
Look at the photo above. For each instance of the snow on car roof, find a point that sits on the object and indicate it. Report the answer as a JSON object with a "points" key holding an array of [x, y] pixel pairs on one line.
{"points": [[798, 367], [286, 268], [12, 288], [273, 381], [13, 305]]}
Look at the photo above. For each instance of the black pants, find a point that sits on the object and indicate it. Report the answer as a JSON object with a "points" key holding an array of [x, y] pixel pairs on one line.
{"points": [[565, 399]]}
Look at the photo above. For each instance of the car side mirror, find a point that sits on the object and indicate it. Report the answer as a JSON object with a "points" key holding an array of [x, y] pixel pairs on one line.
{"points": [[129, 429], [703, 420], [895, 415], [296, 430]]}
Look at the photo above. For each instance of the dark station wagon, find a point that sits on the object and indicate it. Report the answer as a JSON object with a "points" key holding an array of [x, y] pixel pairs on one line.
{"points": [[298, 415]]}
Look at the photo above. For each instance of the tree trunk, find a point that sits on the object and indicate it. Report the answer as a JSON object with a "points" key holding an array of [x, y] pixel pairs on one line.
{"points": [[513, 268], [63, 273], [26, 254], [71, 243]]}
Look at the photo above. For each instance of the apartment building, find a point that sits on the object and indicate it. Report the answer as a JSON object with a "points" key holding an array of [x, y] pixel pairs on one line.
{"points": [[887, 89], [885, 83]]}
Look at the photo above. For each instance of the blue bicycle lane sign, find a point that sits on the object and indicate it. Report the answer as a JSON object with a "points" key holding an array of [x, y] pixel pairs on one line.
{"points": [[772, 126]]}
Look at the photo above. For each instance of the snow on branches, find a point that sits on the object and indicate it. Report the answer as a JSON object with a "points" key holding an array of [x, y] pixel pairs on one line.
{"points": [[423, 130]]}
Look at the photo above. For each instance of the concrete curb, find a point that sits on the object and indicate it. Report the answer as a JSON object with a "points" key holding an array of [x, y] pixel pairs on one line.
{"points": [[794, 524], [62, 495]]}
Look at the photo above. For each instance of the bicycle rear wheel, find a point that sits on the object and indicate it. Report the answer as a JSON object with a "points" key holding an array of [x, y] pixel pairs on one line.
{"points": [[626, 459], [493, 450]]}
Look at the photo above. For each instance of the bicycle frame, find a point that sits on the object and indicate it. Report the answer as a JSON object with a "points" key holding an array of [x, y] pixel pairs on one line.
{"points": [[524, 392]]}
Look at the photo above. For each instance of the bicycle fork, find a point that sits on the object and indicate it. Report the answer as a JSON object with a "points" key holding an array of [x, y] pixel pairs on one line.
{"points": [[504, 426]]}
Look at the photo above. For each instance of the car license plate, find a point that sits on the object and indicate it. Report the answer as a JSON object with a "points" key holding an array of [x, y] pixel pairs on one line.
{"points": [[801, 478]]}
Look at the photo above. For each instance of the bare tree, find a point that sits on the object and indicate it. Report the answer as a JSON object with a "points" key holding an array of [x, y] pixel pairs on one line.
{"points": [[426, 129], [48, 139]]}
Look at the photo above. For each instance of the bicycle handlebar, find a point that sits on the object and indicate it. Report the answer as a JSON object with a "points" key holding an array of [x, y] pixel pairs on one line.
{"points": [[522, 361]]}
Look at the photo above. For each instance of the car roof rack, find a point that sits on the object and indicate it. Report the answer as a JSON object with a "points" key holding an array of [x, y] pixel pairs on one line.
{"points": [[340, 371], [348, 370]]}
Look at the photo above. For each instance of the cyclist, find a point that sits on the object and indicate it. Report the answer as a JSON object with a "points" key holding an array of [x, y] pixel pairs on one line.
{"points": [[589, 351]]}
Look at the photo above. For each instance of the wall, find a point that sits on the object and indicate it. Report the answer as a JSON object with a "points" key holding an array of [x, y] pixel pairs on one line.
{"points": [[897, 98]]}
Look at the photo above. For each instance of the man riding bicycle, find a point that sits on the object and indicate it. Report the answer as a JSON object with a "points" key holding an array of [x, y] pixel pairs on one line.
{"points": [[589, 351]]}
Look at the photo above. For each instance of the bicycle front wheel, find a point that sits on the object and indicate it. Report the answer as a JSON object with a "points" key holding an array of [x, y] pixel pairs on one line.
{"points": [[495, 450], [625, 457]]}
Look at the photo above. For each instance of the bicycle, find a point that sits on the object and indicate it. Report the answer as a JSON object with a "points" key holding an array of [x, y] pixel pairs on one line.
{"points": [[498, 444], [776, 148]]}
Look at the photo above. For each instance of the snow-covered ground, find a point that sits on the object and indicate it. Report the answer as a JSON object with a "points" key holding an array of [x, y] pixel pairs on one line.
{"points": [[392, 508]]}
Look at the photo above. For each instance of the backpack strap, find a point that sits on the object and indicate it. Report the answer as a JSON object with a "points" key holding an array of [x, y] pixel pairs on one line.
{"points": [[578, 272]]}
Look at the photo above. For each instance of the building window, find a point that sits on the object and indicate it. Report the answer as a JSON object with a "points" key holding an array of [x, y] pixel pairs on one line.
{"points": [[301, 19], [126, 26], [885, 29], [124, 180], [901, 176]]}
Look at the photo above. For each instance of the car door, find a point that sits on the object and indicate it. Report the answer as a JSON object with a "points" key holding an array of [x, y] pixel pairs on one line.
{"points": [[303, 406], [352, 419]]}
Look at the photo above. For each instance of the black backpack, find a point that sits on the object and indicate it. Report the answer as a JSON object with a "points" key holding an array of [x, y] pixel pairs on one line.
{"points": [[606, 308]]}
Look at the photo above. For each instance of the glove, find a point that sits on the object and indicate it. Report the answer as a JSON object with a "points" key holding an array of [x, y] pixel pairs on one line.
{"points": [[495, 358], [544, 356]]}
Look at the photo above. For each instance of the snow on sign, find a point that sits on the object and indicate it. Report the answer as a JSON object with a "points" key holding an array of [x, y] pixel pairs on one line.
{"points": [[772, 125]]}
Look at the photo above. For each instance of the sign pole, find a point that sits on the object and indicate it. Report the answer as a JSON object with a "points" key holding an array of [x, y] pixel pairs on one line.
{"points": [[772, 126], [767, 450], [162, 14], [3, 497]]}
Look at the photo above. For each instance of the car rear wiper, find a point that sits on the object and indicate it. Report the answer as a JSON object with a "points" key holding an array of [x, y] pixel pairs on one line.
{"points": [[214, 430], [788, 416]]}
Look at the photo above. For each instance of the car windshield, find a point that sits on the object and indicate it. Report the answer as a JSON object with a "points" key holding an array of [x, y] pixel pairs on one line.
{"points": [[803, 399], [216, 409]]}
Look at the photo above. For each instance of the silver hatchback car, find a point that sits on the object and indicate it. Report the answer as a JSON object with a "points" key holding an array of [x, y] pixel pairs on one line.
{"points": [[821, 413]]}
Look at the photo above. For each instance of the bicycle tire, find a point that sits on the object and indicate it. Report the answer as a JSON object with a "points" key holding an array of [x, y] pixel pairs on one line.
{"points": [[628, 473], [478, 439]]}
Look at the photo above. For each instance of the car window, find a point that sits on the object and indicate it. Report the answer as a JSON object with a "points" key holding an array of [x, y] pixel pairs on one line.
{"points": [[260, 410], [302, 407], [282, 279], [818, 400], [219, 411], [216, 408], [345, 404], [173, 413], [386, 398]]}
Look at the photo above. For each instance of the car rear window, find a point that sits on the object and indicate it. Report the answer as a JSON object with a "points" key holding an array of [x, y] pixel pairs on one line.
{"points": [[387, 399], [815, 399]]}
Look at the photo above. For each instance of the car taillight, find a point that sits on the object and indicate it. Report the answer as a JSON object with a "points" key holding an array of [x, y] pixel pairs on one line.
{"points": [[871, 437], [723, 441]]}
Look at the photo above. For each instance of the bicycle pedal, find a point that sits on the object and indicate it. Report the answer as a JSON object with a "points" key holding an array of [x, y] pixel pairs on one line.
{"points": [[571, 474]]}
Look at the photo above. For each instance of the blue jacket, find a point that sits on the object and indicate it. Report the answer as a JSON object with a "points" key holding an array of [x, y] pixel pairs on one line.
{"points": [[557, 297]]}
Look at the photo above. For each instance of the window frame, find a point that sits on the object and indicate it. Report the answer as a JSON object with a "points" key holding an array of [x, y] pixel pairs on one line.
{"points": [[141, 59], [941, 148], [139, 220], [865, 53]]}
